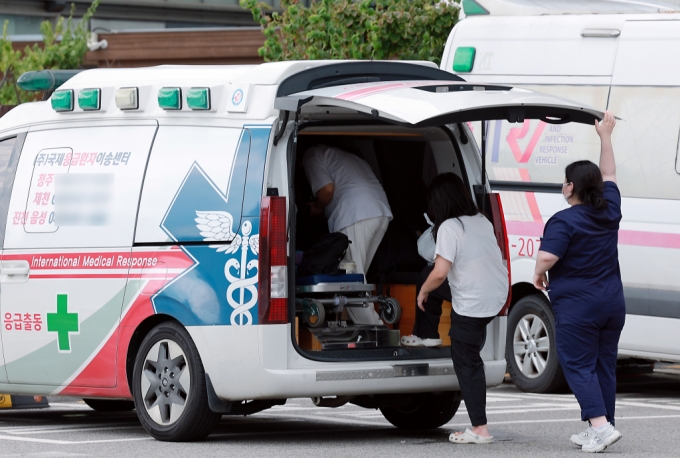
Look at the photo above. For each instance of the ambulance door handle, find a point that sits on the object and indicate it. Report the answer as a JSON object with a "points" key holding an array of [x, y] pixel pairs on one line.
{"points": [[14, 271]]}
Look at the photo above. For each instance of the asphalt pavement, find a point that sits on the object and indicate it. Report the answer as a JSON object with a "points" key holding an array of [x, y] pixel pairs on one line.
{"points": [[524, 425]]}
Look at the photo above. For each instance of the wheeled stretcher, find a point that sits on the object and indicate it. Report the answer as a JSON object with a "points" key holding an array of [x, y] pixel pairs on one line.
{"points": [[320, 297]]}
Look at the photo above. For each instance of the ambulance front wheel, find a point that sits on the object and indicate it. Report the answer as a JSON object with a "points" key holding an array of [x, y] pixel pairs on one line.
{"points": [[169, 386]]}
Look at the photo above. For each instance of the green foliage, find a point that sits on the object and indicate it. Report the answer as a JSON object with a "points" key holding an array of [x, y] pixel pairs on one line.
{"points": [[355, 29], [65, 53]]}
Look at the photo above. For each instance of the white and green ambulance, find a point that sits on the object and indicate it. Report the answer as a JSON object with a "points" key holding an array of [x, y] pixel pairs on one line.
{"points": [[148, 230]]}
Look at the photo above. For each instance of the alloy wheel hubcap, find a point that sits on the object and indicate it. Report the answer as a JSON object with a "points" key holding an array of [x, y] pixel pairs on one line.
{"points": [[531, 346], [165, 382]]}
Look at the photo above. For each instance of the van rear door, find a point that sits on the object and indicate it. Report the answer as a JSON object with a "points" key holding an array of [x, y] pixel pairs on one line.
{"points": [[433, 103]]}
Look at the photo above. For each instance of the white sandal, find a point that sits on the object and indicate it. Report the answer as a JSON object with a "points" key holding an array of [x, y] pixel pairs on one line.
{"points": [[412, 341], [468, 437]]}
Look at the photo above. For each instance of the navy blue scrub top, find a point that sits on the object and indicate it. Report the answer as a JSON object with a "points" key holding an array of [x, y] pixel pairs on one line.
{"points": [[587, 275]]}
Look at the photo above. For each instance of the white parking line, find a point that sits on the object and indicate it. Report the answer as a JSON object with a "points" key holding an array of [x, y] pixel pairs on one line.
{"points": [[647, 405], [19, 429], [76, 430], [564, 420], [63, 442]]}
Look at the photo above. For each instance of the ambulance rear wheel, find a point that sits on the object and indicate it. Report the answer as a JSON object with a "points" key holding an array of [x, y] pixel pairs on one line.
{"points": [[169, 386], [530, 349], [110, 405], [424, 411]]}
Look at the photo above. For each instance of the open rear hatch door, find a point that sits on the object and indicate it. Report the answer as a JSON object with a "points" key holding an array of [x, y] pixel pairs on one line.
{"points": [[433, 103]]}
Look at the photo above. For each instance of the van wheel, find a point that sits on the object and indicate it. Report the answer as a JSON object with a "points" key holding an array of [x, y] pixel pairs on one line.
{"points": [[424, 411], [110, 405], [530, 347], [169, 386]]}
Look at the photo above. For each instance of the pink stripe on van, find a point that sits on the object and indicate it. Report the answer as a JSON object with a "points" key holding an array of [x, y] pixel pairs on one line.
{"points": [[626, 237], [652, 239], [374, 88]]}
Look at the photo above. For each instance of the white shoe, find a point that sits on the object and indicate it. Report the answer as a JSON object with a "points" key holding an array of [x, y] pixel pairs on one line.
{"points": [[432, 342], [583, 437], [602, 439], [415, 341]]}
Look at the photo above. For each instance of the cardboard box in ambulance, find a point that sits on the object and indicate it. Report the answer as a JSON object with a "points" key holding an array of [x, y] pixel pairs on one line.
{"points": [[149, 229], [621, 62]]}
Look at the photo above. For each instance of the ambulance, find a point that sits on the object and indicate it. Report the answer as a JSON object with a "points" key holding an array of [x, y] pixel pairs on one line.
{"points": [[149, 232], [616, 55]]}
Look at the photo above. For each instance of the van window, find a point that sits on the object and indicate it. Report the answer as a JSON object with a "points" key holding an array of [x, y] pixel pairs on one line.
{"points": [[7, 145], [537, 152], [78, 187], [645, 95], [179, 151]]}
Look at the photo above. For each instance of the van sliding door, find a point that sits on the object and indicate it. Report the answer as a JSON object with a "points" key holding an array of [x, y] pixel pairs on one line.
{"points": [[646, 94], [66, 254]]}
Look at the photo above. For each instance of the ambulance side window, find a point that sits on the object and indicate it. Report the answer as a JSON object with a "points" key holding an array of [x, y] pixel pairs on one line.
{"points": [[78, 187], [7, 145], [183, 156]]}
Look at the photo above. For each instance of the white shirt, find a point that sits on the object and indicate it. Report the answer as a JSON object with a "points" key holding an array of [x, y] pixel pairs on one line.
{"points": [[478, 276], [358, 194]]}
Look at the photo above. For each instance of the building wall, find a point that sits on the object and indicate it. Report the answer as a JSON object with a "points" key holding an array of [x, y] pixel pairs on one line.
{"points": [[194, 46]]}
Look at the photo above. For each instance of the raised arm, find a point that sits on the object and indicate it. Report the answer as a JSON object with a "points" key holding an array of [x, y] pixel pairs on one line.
{"points": [[607, 162]]}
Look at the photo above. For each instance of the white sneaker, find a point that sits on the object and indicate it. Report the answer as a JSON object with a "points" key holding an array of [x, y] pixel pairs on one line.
{"points": [[415, 341], [582, 438], [602, 439], [432, 342]]}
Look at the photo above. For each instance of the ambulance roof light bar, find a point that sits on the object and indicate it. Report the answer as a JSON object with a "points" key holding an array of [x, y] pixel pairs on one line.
{"points": [[45, 80]]}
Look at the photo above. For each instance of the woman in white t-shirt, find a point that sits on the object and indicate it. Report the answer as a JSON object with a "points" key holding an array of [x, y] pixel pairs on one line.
{"points": [[467, 254]]}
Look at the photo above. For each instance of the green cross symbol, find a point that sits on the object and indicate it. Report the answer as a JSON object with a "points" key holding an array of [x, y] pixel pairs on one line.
{"points": [[62, 323]]}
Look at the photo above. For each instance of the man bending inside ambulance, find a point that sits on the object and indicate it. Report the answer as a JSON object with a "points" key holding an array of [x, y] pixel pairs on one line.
{"points": [[354, 202]]}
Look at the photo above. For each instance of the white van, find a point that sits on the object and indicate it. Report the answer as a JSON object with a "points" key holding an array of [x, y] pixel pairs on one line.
{"points": [[624, 63], [149, 224]]}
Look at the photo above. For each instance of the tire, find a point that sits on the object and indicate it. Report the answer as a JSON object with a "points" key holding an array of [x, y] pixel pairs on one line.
{"points": [[390, 311], [530, 349], [175, 408], [110, 405], [424, 411]]}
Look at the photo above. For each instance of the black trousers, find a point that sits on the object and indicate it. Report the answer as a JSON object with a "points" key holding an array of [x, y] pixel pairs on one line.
{"points": [[468, 335], [427, 322]]}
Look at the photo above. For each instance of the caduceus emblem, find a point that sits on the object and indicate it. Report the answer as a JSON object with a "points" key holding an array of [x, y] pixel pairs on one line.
{"points": [[216, 226]]}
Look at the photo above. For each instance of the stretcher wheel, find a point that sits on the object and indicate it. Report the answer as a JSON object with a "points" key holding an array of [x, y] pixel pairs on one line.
{"points": [[318, 315], [390, 310]]}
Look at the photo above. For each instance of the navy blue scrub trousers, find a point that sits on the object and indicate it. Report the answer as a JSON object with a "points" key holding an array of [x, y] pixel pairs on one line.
{"points": [[587, 347]]}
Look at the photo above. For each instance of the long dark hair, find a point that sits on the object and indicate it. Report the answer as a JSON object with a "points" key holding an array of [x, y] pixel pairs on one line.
{"points": [[448, 197], [588, 185]]}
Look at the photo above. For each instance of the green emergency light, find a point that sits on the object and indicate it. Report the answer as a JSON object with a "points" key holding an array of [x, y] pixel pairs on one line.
{"points": [[471, 8], [45, 80], [464, 59], [90, 99], [62, 100], [198, 98], [170, 98]]}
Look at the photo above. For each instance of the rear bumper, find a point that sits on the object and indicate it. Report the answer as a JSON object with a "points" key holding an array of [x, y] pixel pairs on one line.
{"points": [[260, 362]]}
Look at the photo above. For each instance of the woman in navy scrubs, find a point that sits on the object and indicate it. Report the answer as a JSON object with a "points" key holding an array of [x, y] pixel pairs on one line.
{"points": [[579, 251]]}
